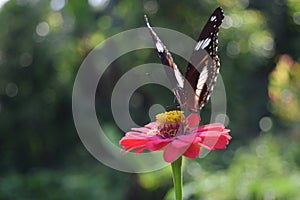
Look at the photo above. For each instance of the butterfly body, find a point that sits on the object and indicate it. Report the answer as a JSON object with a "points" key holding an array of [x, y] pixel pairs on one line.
{"points": [[194, 89]]}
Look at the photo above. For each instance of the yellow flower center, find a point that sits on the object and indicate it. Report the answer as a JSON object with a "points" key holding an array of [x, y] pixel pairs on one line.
{"points": [[168, 123], [174, 116]]}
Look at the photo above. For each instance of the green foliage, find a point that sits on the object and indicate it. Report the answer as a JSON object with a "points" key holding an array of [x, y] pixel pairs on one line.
{"points": [[63, 184], [259, 171], [283, 89]]}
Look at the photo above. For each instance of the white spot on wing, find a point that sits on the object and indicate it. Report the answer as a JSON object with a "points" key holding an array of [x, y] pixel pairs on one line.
{"points": [[159, 47], [202, 79], [202, 44], [213, 18], [196, 101], [178, 76], [208, 97]]}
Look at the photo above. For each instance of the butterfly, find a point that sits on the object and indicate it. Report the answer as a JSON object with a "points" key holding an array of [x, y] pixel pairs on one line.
{"points": [[194, 89]]}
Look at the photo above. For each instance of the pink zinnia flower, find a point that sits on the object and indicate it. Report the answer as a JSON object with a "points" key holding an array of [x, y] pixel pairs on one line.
{"points": [[176, 135]]}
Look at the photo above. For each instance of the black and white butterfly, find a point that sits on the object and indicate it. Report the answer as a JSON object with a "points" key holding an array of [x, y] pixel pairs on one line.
{"points": [[194, 89]]}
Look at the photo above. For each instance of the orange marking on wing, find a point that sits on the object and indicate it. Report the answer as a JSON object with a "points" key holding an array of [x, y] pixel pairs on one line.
{"points": [[170, 61], [201, 61], [191, 71]]}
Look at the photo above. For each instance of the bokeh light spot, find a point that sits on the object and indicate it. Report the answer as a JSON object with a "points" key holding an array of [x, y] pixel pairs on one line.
{"points": [[98, 3], [105, 22], [154, 110], [57, 4], [2, 2], [296, 18], [25, 59], [55, 19], [151, 7], [261, 150], [233, 49], [11, 89], [222, 118], [265, 124], [227, 23], [42, 29], [237, 20]]}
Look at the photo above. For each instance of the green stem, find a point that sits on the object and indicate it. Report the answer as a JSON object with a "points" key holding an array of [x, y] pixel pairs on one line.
{"points": [[177, 177]]}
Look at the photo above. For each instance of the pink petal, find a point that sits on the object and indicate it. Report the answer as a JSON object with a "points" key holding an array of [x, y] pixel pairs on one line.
{"points": [[214, 140], [136, 135], [145, 129], [193, 120], [134, 140], [171, 153], [151, 125], [192, 152], [157, 143], [132, 143], [139, 150], [189, 138], [175, 149], [211, 127], [179, 144], [141, 129]]}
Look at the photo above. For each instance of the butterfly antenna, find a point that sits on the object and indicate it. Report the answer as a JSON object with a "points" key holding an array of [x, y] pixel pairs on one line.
{"points": [[173, 107]]}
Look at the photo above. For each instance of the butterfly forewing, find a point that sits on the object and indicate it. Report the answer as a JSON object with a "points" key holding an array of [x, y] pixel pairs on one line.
{"points": [[173, 73], [203, 67], [208, 38]]}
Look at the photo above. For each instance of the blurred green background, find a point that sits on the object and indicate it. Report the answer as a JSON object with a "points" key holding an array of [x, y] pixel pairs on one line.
{"points": [[42, 44]]}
